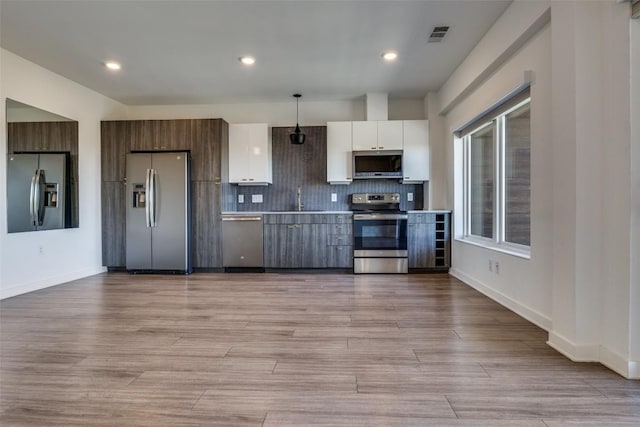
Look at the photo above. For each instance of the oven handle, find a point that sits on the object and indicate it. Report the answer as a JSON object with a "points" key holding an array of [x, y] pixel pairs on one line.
{"points": [[372, 217]]}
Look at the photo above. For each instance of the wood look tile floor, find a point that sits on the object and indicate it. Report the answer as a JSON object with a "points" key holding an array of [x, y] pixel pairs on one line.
{"points": [[290, 350]]}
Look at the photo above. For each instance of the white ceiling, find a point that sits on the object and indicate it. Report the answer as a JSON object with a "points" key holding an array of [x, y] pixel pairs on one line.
{"points": [[186, 52]]}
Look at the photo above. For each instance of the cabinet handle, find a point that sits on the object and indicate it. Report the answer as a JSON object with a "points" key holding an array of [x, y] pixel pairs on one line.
{"points": [[339, 248], [373, 148], [410, 225], [244, 179], [407, 177], [380, 148], [291, 226], [250, 179]]}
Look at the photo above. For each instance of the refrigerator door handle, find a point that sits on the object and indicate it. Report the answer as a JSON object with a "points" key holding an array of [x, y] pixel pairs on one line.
{"points": [[147, 206], [32, 199], [38, 209], [153, 198]]}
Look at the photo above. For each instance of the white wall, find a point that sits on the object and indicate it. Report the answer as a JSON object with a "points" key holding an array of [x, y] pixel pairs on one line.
{"points": [[311, 113], [615, 154], [439, 181], [406, 109], [582, 281], [67, 254], [634, 158], [524, 285]]}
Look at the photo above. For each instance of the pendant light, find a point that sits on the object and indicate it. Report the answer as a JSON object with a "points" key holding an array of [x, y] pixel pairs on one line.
{"points": [[297, 137]]}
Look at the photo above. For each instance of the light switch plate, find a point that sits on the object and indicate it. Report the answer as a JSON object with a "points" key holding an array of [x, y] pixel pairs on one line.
{"points": [[240, 198], [256, 198], [409, 197], [334, 197]]}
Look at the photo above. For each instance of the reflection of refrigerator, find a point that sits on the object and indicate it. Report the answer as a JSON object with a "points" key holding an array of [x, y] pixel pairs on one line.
{"points": [[37, 191], [158, 214]]}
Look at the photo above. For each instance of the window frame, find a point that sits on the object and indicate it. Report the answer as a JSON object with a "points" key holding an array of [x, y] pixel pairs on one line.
{"points": [[498, 242]]}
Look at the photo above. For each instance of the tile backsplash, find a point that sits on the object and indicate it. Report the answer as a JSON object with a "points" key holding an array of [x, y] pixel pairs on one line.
{"points": [[305, 166]]}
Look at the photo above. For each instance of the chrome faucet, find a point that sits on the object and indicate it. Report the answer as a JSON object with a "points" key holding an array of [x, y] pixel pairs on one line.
{"points": [[300, 205]]}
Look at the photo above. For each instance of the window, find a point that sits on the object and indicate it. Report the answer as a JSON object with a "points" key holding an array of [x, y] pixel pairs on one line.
{"points": [[497, 176]]}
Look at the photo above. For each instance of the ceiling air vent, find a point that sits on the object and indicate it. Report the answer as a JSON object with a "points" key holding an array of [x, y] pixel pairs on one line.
{"points": [[438, 34]]}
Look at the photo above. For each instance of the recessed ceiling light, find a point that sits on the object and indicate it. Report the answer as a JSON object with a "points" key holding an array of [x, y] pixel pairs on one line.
{"points": [[247, 60], [389, 56], [112, 65]]}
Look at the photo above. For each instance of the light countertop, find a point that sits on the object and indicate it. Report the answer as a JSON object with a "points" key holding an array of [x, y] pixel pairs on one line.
{"points": [[319, 212]]}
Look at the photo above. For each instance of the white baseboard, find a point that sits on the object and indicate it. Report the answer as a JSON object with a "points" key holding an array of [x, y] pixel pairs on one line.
{"points": [[613, 360], [573, 351], [618, 363], [531, 315], [51, 281]]}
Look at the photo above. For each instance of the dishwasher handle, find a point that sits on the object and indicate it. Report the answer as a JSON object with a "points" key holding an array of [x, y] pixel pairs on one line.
{"points": [[242, 218]]}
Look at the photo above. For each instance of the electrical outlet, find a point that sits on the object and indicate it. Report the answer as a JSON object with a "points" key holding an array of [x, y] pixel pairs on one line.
{"points": [[490, 266], [40, 249], [256, 198], [409, 197], [334, 197], [240, 198], [497, 267]]}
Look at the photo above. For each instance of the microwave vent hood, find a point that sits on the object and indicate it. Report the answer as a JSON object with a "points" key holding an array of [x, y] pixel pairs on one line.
{"points": [[377, 164]]}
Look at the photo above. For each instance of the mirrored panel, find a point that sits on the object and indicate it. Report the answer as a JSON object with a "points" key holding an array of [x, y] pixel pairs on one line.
{"points": [[42, 169]]}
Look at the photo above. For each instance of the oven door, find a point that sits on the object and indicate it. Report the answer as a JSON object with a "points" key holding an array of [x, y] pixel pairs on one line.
{"points": [[379, 235]]}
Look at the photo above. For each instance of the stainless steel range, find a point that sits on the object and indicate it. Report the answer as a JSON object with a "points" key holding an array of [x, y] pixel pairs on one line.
{"points": [[379, 234]]}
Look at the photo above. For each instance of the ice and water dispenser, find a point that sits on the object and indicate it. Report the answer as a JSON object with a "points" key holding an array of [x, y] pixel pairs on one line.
{"points": [[139, 196], [50, 195]]}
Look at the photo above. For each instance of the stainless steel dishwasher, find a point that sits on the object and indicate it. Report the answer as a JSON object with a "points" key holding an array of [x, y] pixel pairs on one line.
{"points": [[242, 241]]}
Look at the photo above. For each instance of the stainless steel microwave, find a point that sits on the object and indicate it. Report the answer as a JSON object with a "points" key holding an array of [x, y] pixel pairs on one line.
{"points": [[377, 164]]}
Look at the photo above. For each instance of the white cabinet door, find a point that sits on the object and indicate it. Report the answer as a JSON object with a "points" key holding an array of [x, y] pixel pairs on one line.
{"points": [[416, 156], [390, 135], [339, 158], [365, 136], [259, 153], [238, 153], [250, 154]]}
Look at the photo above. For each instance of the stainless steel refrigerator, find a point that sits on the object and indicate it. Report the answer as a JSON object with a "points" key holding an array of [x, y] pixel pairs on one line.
{"points": [[37, 191], [158, 212]]}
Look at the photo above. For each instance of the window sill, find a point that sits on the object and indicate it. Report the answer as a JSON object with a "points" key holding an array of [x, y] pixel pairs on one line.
{"points": [[493, 246]]}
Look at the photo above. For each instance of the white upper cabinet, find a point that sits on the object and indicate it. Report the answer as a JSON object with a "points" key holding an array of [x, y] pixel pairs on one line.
{"points": [[250, 154], [377, 135], [390, 135], [365, 136], [339, 158], [416, 159]]}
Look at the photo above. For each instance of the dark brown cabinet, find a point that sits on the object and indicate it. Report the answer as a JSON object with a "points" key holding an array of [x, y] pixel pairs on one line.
{"points": [[428, 241], [206, 140], [308, 241], [283, 246], [113, 149], [113, 223], [43, 136], [206, 225]]}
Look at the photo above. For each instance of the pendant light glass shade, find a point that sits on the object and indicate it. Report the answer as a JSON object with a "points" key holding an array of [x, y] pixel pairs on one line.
{"points": [[297, 137]]}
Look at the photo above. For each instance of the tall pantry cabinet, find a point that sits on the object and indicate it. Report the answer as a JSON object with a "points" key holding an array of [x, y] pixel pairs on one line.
{"points": [[206, 140]]}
